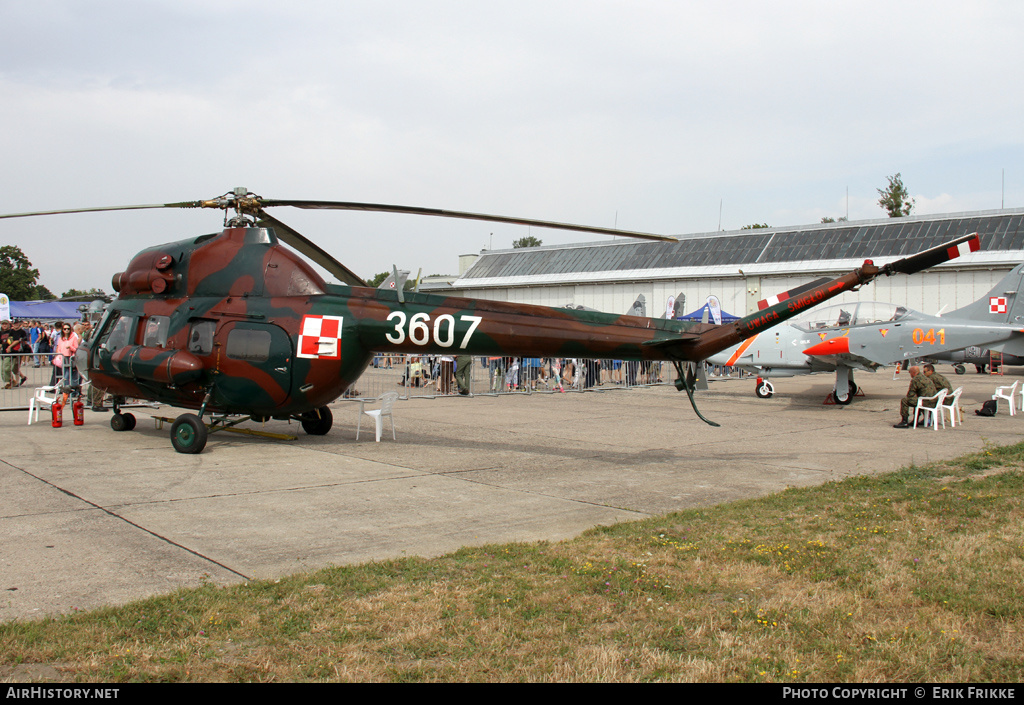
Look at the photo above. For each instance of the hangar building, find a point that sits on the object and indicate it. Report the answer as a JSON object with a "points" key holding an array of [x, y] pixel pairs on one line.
{"points": [[742, 267]]}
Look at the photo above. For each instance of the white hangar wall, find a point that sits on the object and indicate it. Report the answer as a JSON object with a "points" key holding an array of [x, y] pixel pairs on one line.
{"points": [[743, 267], [929, 292]]}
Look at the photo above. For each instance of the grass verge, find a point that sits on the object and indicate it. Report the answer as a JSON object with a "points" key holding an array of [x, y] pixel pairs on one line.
{"points": [[908, 576]]}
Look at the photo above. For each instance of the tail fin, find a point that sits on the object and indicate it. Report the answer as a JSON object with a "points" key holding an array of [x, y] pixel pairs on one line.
{"points": [[1004, 304], [392, 283], [639, 307]]}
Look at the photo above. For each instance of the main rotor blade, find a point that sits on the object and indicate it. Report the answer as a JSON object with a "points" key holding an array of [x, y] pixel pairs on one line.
{"points": [[936, 255], [252, 204], [293, 238], [184, 204], [772, 300], [414, 210]]}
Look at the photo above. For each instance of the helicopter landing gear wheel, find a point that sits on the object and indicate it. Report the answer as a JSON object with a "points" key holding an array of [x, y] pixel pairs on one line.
{"points": [[317, 422], [764, 390], [188, 434], [122, 422], [849, 395]]}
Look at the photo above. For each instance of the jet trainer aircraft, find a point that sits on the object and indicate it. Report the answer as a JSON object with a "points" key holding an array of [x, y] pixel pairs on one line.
{"points": [[868, 335]]}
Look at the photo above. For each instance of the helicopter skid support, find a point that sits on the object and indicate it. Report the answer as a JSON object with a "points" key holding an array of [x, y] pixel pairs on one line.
{"points": [[223, 425]]}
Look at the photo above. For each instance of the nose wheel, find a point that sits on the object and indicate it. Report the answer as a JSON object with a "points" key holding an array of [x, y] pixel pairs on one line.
{"points": [[764, 389], [122, 421], [849, 395]]}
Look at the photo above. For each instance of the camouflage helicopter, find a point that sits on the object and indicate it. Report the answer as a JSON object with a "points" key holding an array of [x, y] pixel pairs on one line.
{"points": [[234, 324]]}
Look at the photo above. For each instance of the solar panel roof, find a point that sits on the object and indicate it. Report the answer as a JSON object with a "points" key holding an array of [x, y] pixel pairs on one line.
{"points": [[882, 239]]}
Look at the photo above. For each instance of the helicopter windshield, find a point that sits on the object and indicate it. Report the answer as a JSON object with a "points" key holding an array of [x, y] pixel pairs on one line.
{"points": [[852, 314]]}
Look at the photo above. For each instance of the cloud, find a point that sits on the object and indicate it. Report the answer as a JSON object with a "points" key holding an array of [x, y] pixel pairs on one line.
{"points": [[650, 114]]}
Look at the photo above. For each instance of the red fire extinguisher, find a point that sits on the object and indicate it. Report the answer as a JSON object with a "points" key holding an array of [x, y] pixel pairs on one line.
{"points": [[57, 410], [78, 411]]}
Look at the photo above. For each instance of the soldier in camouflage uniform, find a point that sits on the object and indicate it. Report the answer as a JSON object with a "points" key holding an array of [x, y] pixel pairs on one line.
{"points": [[920, 386], [938, 380]]}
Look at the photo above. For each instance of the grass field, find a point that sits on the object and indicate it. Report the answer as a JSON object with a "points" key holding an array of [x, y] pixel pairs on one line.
{"points": [[909, 576]]}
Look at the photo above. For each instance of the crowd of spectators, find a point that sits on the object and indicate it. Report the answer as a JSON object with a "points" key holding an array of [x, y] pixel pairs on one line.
{"points": [[451, 374], [40, 344]]}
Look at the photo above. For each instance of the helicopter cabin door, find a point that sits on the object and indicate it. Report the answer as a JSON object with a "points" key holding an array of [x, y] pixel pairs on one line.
{"points": [[254, 363]]}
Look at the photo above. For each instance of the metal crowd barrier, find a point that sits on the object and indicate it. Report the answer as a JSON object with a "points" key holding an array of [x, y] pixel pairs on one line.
{"points": [[37, 371], [424, 376], [414, 376]]}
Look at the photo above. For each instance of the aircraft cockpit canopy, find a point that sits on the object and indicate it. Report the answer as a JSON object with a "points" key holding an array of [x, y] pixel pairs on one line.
{"points": [[851, 314]]}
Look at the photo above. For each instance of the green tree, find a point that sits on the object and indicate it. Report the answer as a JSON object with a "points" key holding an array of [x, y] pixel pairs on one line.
{"points": [[830, 219], [895, 199], [528, 241], [93, 293], [41, 293], [376, 279], [755, 226], [17, 277]]}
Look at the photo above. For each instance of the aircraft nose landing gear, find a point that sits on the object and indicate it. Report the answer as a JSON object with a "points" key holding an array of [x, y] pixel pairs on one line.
{"points": [[122, 421], [852, 391], [764, 389]]}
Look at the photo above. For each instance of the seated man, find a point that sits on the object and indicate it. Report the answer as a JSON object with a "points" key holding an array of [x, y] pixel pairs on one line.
{"points": [[938, 381], [920, 386]]}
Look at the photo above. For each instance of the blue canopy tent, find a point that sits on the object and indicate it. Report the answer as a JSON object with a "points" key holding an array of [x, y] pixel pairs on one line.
{"points": [[47, 310], [698, 315]]}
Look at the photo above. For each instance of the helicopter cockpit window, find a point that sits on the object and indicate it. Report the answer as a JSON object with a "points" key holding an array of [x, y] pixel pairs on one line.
{"points": [[200, 337], [251, 345], [156, 331], [118, 334]]}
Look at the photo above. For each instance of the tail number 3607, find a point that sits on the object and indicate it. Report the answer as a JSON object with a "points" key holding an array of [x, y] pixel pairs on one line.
{"points": [[420, 332]]}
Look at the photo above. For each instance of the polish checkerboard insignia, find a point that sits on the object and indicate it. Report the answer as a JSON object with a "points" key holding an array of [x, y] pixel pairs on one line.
{"points": [[997, 304], [320, 337]]}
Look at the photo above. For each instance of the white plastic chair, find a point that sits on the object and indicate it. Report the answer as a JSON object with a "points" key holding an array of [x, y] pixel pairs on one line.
{"points": [[40, 399], [1001, 393], [931, 412], [951, 404], [386, 400]]}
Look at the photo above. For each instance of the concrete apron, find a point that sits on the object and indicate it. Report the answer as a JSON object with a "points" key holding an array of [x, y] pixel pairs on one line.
{"points": [[92, 517]]}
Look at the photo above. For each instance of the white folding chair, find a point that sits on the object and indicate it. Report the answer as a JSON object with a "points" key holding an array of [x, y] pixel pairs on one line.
{"points": [[931, 412], [387, 400], [951, 404], [1002, 393], [40, 399]]}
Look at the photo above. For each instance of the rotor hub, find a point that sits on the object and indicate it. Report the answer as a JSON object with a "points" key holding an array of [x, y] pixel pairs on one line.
{"points": [[245, 204]]}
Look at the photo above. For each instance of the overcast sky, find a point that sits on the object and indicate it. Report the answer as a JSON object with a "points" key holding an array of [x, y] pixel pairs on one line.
{"points": [[653, 116]]}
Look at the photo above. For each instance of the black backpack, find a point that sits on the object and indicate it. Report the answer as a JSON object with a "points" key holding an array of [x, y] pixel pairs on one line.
{"points": [[988, 408]]}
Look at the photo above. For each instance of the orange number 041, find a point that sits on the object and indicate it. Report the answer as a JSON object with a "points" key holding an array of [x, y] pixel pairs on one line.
{"points": [[921, 336]]}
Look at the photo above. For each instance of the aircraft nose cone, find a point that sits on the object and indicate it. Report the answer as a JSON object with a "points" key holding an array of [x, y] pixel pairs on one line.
{"points": [[834, 346]]}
